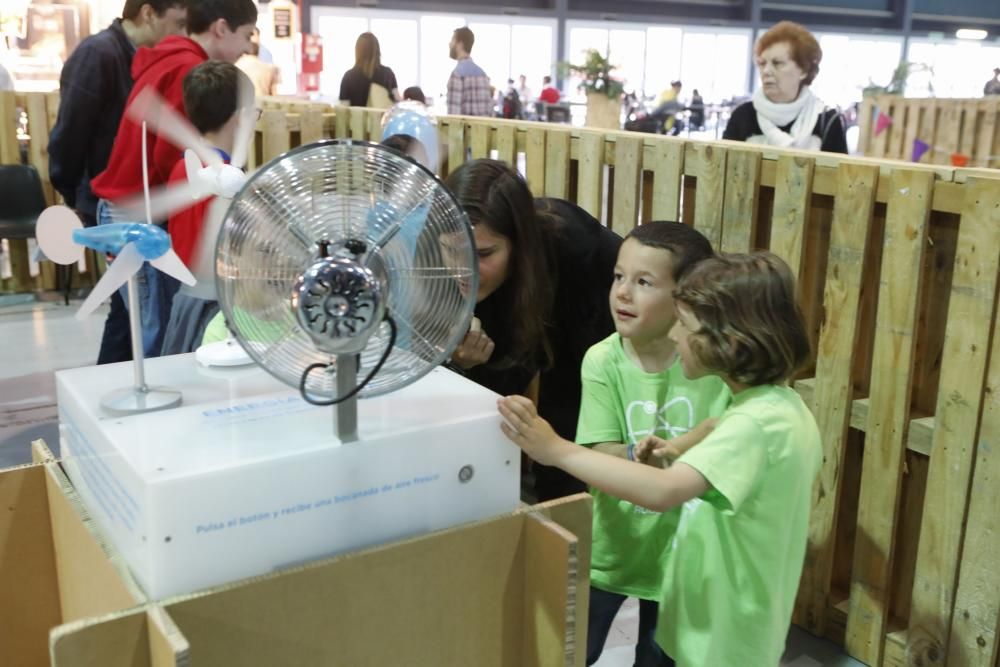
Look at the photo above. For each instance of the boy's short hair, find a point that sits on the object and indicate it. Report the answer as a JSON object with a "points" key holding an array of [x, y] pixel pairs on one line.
{"points": [[212, 94], [465, 37], [203, 13], [415, 93], [687, 245], [131, 9], [752, 329]]}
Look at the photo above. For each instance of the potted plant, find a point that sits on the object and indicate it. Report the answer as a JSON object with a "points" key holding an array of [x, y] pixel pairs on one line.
{"points": [[604, 92]]}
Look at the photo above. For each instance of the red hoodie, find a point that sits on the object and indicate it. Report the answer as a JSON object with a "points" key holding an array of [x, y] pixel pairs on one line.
{"points": [[164, 67]]}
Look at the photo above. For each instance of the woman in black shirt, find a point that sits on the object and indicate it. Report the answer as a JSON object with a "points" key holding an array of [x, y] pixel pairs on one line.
{"points": [[545, 272], [357, 86], [784, 111]]}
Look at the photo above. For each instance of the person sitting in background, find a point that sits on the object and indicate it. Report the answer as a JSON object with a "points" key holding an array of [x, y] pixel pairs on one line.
{"points": [[265, 76], [784, 112], [697, 106], [213, 104], [369, 82], [550, 94], [668, 105], [414, 93]]}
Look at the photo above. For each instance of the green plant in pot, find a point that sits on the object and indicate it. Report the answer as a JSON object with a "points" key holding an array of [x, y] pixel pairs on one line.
{"points": [[604, 92]]}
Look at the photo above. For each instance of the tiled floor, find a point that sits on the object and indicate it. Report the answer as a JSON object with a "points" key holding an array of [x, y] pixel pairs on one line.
{"points": [[39, 338]]}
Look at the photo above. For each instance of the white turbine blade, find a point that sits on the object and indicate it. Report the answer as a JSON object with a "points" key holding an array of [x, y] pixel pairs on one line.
{"points": [[150, 107], [125, 265], [172, 265], [164, 201], [246, 124], [54, 231]]}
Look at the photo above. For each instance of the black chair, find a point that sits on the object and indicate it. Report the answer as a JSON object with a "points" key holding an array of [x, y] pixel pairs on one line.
{"points": [[22, 200]]}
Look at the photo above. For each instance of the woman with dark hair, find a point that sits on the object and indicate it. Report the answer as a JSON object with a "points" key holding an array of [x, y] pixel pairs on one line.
{"points": [[369, 83], [784, 111], [545, 271]]}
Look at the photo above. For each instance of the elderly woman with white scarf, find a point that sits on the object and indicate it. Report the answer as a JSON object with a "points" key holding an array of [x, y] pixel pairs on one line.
{"points": [[784, 112]]}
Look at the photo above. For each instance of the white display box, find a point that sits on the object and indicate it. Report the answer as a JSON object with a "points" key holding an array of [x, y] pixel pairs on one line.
{"points": [[245, 477]]}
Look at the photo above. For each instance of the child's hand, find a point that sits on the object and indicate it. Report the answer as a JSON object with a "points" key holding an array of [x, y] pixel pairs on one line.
{"points": [[475, 348], [657, 451], [526, 429]]}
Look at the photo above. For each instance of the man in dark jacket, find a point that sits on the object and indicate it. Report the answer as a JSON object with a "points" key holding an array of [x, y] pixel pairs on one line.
{"points": [[94, 84]]}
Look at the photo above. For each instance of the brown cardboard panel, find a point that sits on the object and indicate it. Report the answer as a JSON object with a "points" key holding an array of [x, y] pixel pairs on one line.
{"points": [[92, 580], [450, 598], [551, 563], [118, 641], [167, 646], [29, 594]]}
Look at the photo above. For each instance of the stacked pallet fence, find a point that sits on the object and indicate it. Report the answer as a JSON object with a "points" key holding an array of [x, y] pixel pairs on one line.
{"points": [[41, 110], [898, 276], [967, 127], [898, 272]]}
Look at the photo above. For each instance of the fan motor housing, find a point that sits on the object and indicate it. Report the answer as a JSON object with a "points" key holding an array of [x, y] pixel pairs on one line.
{"points": [[340, 302]]}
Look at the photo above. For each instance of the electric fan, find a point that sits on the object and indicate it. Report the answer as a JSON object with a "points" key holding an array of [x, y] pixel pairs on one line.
{"points": [[347, 270]]}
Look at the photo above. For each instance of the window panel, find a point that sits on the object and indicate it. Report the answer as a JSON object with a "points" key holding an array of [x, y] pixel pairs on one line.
{"points": [[663, 59], [398, 41], [532, 54], [435, 65], [339, 34], [492, 51]]}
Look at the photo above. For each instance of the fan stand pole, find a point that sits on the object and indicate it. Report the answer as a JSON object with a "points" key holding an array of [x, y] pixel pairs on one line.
{"points": [[139, 398], [346, 416]]}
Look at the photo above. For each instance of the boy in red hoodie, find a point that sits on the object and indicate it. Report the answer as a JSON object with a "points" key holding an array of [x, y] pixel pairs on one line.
{"points": [[217, 30]]}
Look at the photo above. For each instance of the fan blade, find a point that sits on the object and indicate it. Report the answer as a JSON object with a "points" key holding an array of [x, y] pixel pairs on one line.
{"points": [[54, 231], [150, 107], [172, 265], [246, 124], [164, 202], [124, 267]]}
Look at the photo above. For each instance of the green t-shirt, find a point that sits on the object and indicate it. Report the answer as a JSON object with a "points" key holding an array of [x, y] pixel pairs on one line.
{"points": [[623, 403], [216, 330], [733, 573], [268, 331]]}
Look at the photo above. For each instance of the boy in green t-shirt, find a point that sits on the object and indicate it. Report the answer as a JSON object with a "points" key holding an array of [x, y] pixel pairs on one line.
{"points": [[635, 394], [733, 572]]}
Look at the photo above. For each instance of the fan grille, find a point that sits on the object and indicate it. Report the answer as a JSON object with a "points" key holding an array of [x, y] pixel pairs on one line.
{"points": [[334, 191]]}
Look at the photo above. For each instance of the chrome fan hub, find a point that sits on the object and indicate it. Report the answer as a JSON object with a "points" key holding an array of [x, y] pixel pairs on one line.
{"points": [[340, 302]]}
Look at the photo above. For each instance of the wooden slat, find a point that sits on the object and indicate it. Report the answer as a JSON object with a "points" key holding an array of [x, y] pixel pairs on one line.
{"points": [[479, 140], [358, 123], [534, 160], [986, 132], [974, 637], [970, 125], [666, 161], [792, 198], [710, 171], [897, 131], [374, 123], [277, 138], [590, 172], [927, 132], [739, 212], [880, 143], [341, 122], [865, 124], [456, 145], [917, 109], [888, 419], [557, 163], [628, 170], [311, 126], [960, 396], [946, 141], [10, 152], [852, 218], [506, 148]]}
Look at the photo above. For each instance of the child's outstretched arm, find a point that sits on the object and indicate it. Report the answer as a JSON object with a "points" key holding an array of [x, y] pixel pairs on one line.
{"points": [[649, 487], [655, 450]]}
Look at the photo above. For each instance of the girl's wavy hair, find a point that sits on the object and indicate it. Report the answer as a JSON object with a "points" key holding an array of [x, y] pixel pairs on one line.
{"points": [[752, 329], [495, 195]]}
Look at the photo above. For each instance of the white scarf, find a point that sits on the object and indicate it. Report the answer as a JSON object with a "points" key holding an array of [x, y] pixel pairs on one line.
{"points": [[804, 111]]}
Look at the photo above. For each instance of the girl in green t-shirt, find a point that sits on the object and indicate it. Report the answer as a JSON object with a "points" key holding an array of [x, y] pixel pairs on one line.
{"points": [[732, 574]]}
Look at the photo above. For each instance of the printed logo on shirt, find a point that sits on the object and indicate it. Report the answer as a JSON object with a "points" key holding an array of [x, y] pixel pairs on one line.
{"points": [[670, 420]]}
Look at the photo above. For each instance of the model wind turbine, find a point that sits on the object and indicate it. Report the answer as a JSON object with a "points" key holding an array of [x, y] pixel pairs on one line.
{"points": [[63, 238]]}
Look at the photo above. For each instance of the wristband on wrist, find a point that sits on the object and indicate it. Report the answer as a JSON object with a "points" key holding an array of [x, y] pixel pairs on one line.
{"points": [[630, 452]]}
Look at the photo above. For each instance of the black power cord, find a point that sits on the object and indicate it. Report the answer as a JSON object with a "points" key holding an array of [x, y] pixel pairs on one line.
{"points": [[333, 401]]}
